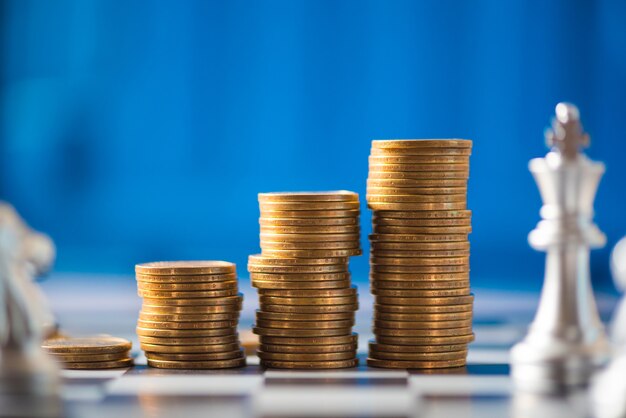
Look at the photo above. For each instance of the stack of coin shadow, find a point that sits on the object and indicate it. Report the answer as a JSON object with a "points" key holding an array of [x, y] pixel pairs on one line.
{"points": [[189, 315], [419, 259], [94, 352], [307, 302]]}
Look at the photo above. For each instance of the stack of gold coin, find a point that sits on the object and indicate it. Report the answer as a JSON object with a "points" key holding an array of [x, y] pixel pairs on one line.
{"points": [[96, 352], [419, 260], [307, 302], [189, 315]]}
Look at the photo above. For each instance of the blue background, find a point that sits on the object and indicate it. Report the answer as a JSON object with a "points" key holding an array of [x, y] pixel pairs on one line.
{"points": [[142, 130]]}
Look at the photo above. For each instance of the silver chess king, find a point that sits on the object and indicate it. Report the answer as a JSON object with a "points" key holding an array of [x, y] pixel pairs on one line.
{"points": [[566, 341]]}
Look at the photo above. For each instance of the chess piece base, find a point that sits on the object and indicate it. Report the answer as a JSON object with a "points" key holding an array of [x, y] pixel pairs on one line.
{"points": [[29, 384]]}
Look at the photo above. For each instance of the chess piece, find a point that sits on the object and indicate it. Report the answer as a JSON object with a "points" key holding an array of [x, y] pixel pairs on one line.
{"points": [[28, 377], [566, 340], [608, 393]]}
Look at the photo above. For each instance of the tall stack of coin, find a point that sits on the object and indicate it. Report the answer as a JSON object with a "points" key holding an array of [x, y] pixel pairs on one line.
{"points": [[95, 352], [307, 303], [189, 315], [419, 264]]}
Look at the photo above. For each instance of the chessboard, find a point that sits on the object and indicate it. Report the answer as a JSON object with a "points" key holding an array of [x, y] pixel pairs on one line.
{"points": [[481, 389]]}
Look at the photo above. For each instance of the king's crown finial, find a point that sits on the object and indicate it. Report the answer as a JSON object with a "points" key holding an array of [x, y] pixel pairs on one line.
{"points": [[566, 135]]}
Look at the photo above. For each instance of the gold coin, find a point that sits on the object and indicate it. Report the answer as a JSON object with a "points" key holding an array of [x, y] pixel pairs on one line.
{"points": [[115, 364], [425, 301], [351, 338], [308, 349], [175, 268], [420, 191], [262, 260], [421, 317], [97, 344], [392, 229], [91, 358], [308, 214], [416, 206], [187, 278], [186, 287], [212, 364], [286, 285], [381, 220], [307, 206], [338, 364], [420, 246], [153, 332], [279, 316], [422, 325], [425, 198], [157, 294], [413, 277], [398, 364], [263, 323], [377, 268], [399, 261], [375, 174], [186, 325], [184, 310], [383, 167], [425, 214], [226, 355], [423, 309], [419, 159], [309, 222], [190, 349], [309, 309], [422, 254], [296, 277], [313, 253], [387, 180], [421, 293], [328, 268], [310, 293], [447, 332], [230, 316], [274, 300], [389, 348], [325, 196], [441, 356], [420, 151], [419, 284], [189, 341], [418, 238], [425, 341], [408, 144], [307, 246], [161, 301], [346, 229], [304, 333], [339, 355], [277, 238]]}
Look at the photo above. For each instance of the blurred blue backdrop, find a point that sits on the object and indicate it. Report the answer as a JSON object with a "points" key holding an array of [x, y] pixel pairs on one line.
{"points": [[142, 130]]}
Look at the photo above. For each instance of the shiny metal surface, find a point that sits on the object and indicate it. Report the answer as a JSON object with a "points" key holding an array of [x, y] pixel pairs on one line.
{"points": [[566, 340]]}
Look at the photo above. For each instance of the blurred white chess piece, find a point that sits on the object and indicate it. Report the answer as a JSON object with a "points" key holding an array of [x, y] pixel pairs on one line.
{"points": [[566, 341], [608, 393], [28, 377], [618, 268]]}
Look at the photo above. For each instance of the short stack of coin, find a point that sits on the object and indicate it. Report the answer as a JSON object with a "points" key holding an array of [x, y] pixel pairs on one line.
{"points": [[307, 303], [189, 315], [96, 352], [419, 259]]}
